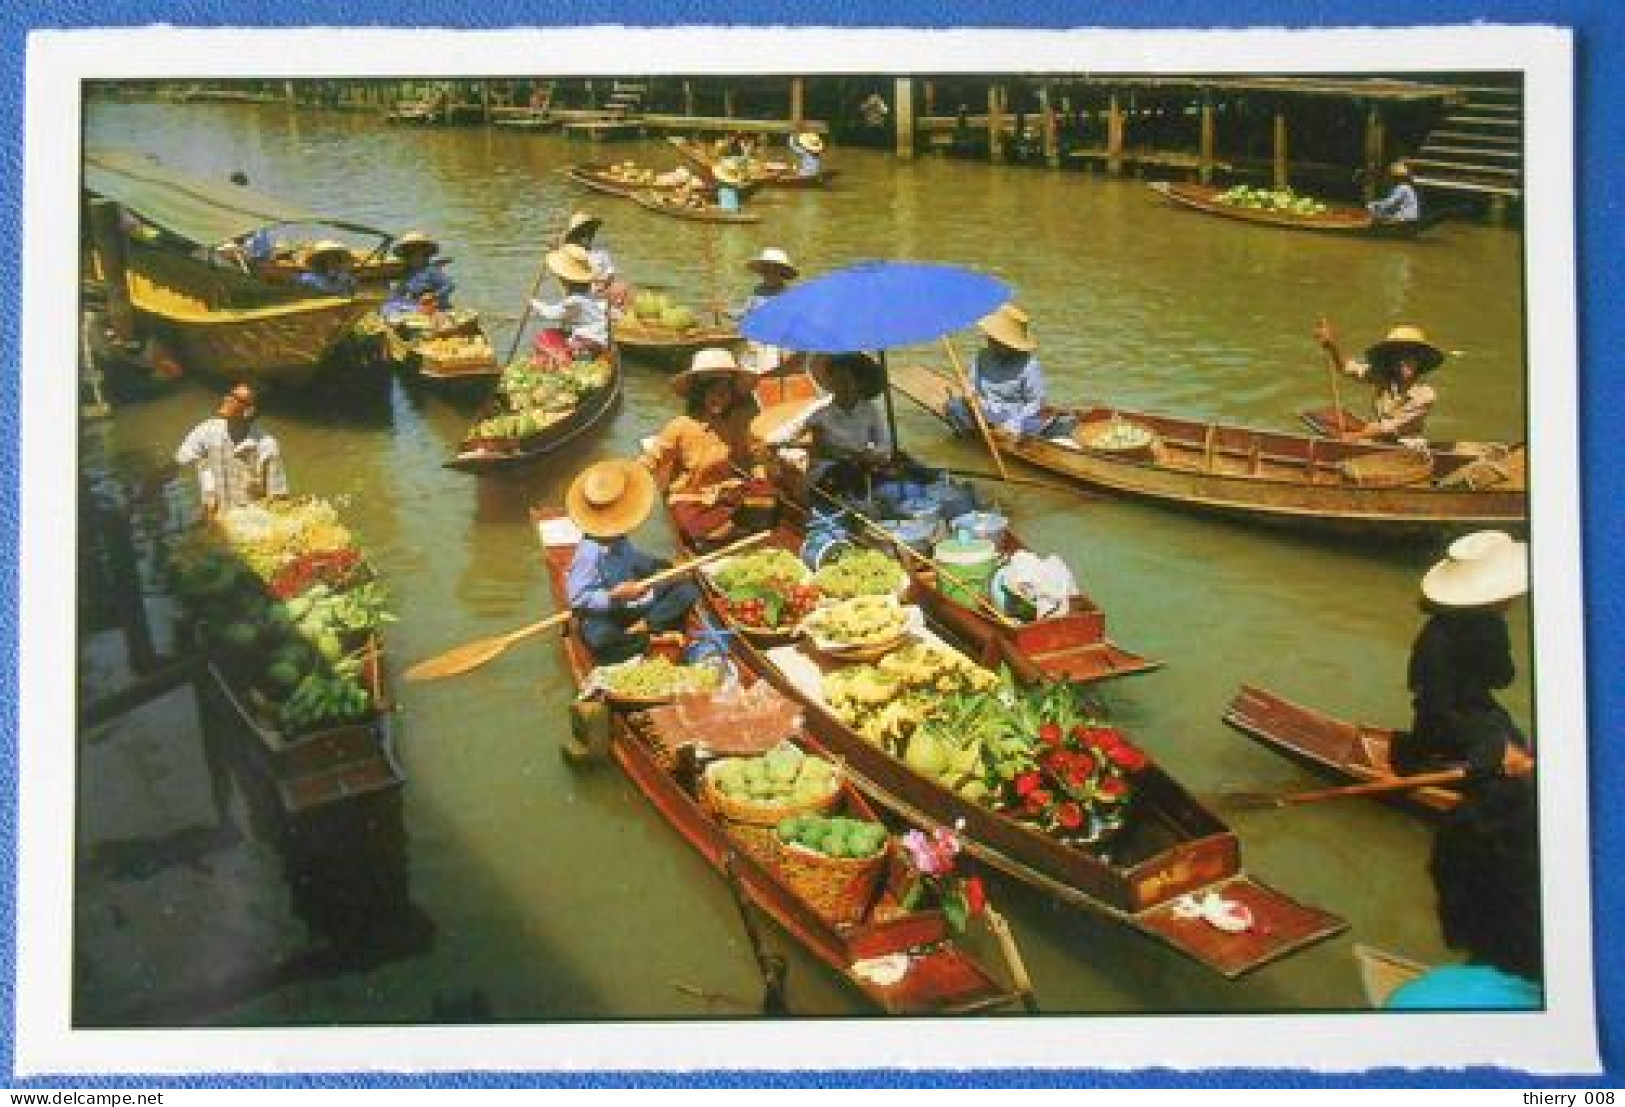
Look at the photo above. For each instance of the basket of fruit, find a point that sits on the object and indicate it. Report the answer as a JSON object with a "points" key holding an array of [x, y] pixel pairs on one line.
{"points": [[859, 572], [834, 863], [864, 628], [764, 595], [648, 681], [1119, 437], [753, 795]]}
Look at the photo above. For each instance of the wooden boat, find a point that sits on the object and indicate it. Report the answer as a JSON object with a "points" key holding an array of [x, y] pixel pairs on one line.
{"points": [[1262, 475], [1173, 848], [709, 213], [449, 349], [648, 340], [1383, 973], [942, 978], [696, 154], [1072, 646], [1347, 752], [1335, 219], [479, 455]]}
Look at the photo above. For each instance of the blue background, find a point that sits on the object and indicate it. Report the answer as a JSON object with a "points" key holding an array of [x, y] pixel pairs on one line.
{"points": [[1598, 26]]}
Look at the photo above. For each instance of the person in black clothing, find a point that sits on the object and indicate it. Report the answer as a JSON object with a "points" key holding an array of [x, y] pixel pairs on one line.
{"points": [[1462, 655]]}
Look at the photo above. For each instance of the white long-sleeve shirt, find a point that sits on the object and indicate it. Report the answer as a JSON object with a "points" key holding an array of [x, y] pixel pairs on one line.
{"points": [[231, 474]]}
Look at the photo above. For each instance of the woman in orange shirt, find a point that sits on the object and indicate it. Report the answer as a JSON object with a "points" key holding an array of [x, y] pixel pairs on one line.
{"points": [[706, 460]]}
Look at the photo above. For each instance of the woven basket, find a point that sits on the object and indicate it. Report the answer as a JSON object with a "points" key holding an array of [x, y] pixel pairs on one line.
{"points": [[1091, 436], [1389, 469], [755, 825], [840, 889]]}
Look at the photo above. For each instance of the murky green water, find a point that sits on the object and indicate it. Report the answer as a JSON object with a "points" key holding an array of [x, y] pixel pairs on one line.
{"points": [[560, 895]]}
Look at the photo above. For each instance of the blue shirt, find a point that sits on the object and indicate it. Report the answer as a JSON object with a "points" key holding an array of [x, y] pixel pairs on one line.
{"points": [[336, 284], [727, 197], [1399, 205], [1465, 988], [409, 291], [807, 163], [600, 565], [1011, 386], [759, 295]]}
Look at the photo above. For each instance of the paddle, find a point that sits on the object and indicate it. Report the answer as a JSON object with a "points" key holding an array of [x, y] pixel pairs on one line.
{"points": [[524, 316], [471, 655], [1268, 801], [1334, 368], [1000, 926], [974, 402]]}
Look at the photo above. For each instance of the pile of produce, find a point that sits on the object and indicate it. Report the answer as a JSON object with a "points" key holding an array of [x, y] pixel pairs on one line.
{"points": [[655, 309], [858, 572], [779, 777], [860, 621], [458, 348], [286, 605], [885, 702], [1119, 434], [836, 836], [765, 590], [1267, 199], [654, 678], [535, 396], [630, 172]]}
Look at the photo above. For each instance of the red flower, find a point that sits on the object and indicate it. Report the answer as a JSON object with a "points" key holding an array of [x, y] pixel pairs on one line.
{"points": [[1128, 758], [1069, 815], [1049, 734], [1080, 734], [975, 895], [1039, 799], [1113, 788], [1026, 783]]}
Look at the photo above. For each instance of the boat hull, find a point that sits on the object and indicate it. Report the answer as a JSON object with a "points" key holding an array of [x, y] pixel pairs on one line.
{"points": [[1348, 221], [475, 457]]}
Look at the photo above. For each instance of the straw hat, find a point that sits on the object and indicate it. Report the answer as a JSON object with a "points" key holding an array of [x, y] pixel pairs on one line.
{"points": [[810, 142], [1399, 169], [1405, 341], [869, 377], [1009, 327], [327, 248], [610, 498], [1485, 567], [774, 258], [728, 174], [571, 263], [414, 240], [710, 362], [581, 222]]}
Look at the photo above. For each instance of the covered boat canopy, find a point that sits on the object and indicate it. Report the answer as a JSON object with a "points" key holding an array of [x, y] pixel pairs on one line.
{"points": [[201, 211]]}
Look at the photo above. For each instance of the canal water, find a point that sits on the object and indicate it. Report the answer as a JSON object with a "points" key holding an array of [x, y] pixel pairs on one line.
{"points": [[557, 894]]}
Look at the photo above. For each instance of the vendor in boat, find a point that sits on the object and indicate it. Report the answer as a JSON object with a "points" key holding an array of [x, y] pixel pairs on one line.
{"points": [[1485, 866], [618, 615], [581, 231], [1462, 655], [329, 269], [579, 322], [729, 181], [424, 285], [1395, 366], [1008, 380], [807, 148], [706, 460], [1401, 204], [681, 177], [237, 463], [848, 438]]}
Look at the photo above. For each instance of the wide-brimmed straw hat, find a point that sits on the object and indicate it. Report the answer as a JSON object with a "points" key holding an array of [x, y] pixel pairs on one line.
{"points": [[728, 174], [1405, 341], [572, 263], [414, 240], [810, 142], [327, 247], [772, 257], [1399, 169], [1009, 326], [1482, 568], [714, 361], [580, 220], [866, 371], [610, 498]]}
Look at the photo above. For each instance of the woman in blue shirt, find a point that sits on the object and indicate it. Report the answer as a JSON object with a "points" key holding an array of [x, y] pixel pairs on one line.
{"points": [[1401, 205], [806, 148], [424, 277], [329, 269], [619, 616], [728, 179], [1008, 380]]}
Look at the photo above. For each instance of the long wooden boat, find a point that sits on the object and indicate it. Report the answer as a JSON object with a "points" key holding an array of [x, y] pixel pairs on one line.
{"points": [[639, 337], [479, 455], [696, 154], [1070, 646], [1262, 475], [1175, 847], [1336, 219], [709, 213], [1383, 973], [941, 978], [1350, 753]]}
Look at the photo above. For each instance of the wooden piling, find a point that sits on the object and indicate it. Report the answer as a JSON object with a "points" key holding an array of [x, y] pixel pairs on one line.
{"points": [[1114, 137], [1281, 176], [995, 121], [903, 94], [728, 103], [1375, 139], [109, 238], [688, 99], [798, 100], [1205, 165], [1052, 145]]}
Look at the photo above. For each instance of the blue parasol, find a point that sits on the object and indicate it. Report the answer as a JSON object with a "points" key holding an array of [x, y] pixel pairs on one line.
{"points": [[875, 305]]}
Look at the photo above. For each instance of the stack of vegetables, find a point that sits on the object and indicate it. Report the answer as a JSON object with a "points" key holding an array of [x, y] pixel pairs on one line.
{"points": [[531, 397], [655, 309], [1267, 199], [781, 777], [657, 678], [287, 608], [860, 572], [833, 836], [630, 172], [766, 590]]}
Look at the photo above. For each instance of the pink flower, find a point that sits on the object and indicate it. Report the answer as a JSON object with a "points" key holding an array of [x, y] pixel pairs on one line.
{"points": [[932, 855]]}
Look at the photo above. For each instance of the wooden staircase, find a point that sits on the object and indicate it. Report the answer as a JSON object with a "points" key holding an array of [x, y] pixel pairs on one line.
{"points": [[1478, 148], [626, 99]]}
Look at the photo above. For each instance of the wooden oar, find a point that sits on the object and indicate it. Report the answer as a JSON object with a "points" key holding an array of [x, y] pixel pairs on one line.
{"points": [[1000, 926], [1334, 368], [974, 402], [524, 315], [1269, 801], [471, 655]]}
